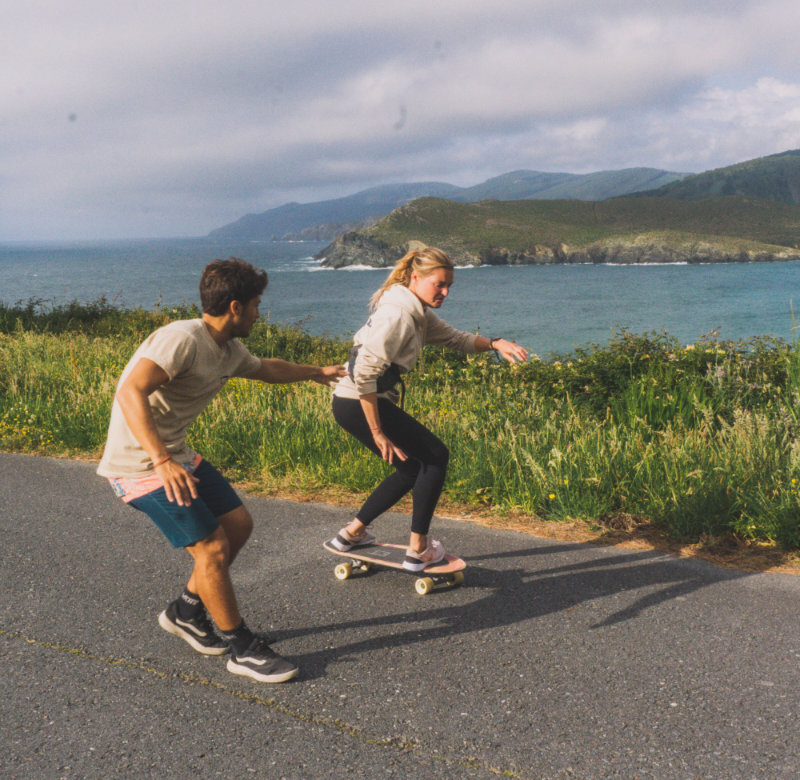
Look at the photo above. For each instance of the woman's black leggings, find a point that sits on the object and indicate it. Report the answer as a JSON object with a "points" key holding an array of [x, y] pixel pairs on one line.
{"points": [[423, 472]]}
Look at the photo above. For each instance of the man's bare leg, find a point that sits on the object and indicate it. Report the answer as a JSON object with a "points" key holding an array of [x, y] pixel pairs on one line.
{"points": [[211, 579], [236, 526]]}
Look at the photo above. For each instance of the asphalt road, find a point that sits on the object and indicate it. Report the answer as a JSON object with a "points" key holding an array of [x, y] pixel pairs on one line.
{"points": [[552, 660]]}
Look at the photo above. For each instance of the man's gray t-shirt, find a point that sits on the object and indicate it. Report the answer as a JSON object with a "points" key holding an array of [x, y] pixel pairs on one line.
{"points": [[198, 368]]}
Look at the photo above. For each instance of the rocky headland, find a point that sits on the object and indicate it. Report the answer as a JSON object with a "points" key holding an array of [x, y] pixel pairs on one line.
{"points": [[358, 248], [642, 230]]}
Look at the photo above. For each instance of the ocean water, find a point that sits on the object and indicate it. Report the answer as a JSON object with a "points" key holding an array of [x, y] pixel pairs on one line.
{"points": [[549, 309]]}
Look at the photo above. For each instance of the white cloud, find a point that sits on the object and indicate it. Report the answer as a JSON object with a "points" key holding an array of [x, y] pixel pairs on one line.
{"points": [[176, 118]]}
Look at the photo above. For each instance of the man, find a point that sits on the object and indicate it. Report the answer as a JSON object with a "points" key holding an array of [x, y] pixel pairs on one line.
{"points": [[171, 378]]}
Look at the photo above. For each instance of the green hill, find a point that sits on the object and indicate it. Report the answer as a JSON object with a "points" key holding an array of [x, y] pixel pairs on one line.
{"points": [[625, 230], [775, 178]]}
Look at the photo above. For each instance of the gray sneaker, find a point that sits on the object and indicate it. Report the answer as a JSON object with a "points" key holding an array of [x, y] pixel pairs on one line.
{"points": [[345, 541], [262, 663], [430, 556]]}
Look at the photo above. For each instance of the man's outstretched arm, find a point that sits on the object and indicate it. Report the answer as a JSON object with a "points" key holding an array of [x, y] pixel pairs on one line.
{"points": [[280, 372]]}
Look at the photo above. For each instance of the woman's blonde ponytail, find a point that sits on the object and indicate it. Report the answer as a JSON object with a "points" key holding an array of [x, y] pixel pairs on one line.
{"points": [[424, 261]]}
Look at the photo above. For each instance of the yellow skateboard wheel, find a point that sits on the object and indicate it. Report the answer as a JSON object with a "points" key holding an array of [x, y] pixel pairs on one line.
{"points": [[343, 571]]}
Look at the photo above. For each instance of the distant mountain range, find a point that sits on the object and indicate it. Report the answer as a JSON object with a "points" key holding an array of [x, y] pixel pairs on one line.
{"points": [[323, 220], [742, 213]]}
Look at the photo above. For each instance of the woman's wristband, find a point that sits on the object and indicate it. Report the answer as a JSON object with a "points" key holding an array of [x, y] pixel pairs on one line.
{"points": [[162, 461], [491, 343]]}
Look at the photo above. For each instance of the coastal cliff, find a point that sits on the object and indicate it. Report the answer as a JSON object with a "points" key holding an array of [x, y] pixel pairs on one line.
{"points": [[357, 249], [620, 231]]}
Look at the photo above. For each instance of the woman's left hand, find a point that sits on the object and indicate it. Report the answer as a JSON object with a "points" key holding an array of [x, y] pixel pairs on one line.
{"points": [[512, 352]]}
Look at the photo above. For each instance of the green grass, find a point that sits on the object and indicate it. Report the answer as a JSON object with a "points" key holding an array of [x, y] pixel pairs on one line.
{"points": [[702, 440]]}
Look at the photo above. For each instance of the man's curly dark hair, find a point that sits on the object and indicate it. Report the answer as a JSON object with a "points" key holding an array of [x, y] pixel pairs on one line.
{"points": [[224, 281]]}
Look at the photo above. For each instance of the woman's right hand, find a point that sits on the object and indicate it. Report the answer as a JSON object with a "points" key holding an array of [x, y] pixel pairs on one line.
{"points": [[387, 449]]}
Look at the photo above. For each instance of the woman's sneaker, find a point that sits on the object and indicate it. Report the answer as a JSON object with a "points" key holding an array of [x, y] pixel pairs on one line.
{"points": [[345, 541], [428, 557], [262, 663], [197, 631]]}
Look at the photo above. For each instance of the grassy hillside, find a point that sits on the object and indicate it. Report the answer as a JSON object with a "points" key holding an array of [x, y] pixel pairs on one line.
{"points": [[775, 178], [518, 225]]}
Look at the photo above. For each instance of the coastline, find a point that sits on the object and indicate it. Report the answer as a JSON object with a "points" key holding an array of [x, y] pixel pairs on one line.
{"points": [[367, 250]]}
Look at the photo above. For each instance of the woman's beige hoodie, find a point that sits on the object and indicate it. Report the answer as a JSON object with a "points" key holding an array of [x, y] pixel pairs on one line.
{"points": [[396, 332]]}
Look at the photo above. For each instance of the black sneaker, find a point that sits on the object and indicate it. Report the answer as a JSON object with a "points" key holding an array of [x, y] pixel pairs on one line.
{"points": [[262, 663], [197, 631]]}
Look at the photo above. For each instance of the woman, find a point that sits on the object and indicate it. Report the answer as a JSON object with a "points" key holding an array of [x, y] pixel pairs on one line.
{"points": [[402, 321]]}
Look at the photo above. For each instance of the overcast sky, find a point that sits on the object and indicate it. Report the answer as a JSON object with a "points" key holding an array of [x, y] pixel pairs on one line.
{"points": [[151, 119]]}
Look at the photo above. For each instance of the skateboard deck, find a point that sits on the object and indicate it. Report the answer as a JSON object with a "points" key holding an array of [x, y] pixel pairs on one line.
{"points": [[446, 573]]}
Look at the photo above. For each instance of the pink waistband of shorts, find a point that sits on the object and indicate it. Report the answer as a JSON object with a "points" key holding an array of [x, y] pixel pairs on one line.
{"points": [[129, 488]]}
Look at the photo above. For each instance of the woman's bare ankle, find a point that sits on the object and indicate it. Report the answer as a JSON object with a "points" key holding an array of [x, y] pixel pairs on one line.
{"points": [[356, 529], [418, 543]]}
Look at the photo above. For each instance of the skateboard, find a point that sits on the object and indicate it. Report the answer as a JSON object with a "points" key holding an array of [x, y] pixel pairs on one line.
{"points": [[445, 574]]}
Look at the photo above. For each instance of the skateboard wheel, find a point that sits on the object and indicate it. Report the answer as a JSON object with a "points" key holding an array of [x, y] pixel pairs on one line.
{"points": [[423, 586], [343, 571], [458, 578]]}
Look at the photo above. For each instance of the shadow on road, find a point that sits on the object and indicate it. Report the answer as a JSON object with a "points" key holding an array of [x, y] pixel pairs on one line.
{"points": [[509, 596]]}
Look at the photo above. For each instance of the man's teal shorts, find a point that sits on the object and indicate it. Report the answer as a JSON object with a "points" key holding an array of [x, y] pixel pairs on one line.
{"points": [[185, 525]]}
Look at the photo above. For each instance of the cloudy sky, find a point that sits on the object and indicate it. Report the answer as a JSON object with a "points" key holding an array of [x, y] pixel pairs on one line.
{"points": [[153, 119]]}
